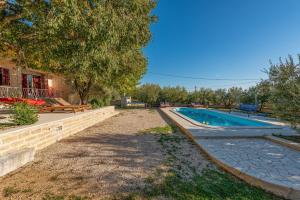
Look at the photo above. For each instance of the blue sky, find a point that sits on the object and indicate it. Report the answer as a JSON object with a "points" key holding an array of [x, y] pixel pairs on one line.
{"points": [[223, 39]]}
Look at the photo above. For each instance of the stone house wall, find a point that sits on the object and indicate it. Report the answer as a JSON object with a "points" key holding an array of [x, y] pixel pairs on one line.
{"points": [[60, 85]]}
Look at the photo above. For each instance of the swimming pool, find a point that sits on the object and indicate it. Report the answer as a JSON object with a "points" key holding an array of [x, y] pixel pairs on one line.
{"points": [[216, 118]]}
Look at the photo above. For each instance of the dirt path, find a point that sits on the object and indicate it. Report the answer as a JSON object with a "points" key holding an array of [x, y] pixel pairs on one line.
{"points": [[104, 161]]}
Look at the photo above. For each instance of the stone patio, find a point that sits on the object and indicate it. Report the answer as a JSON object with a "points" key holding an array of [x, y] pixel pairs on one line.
{"points": [[259, 158]]}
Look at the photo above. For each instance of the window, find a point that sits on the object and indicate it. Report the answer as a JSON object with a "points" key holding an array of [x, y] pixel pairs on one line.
{"points": [[32, 81], [4, 76]]}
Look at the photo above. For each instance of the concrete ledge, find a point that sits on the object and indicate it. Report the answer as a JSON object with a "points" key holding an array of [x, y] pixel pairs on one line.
{"points": [[194, 122], [16, 159], [284, 142]]}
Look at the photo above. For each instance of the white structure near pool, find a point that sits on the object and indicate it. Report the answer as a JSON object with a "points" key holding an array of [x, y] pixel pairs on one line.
{"points": [[245, 147]]}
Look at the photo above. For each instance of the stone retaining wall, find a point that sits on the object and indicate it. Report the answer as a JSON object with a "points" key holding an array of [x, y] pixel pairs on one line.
{"points": [[40, 136]]}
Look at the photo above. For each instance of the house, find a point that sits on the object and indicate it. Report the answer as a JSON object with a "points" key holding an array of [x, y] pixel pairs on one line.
{"points": [[30, 83]]}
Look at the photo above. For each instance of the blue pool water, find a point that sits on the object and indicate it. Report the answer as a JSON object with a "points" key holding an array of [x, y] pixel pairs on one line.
{"points": [[213, 118]]}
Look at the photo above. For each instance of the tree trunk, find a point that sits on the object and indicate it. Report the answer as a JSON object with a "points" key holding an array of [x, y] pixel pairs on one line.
{"points": [[261, 106], [83, 90], [83, 97]]}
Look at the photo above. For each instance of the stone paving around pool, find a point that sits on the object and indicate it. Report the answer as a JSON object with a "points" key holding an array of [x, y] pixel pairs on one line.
{"points": [[259, 158], [249, 155]]}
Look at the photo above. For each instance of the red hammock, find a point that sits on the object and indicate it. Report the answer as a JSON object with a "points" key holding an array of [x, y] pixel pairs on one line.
{"points": [[33, 102]]}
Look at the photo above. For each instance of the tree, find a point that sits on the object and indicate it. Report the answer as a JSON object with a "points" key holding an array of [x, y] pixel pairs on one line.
{"points": [[221, 97], [204, 96], [263, 92], [285, 87], [248, 95], [91, 42], [148, 93], [174, 94], [15, 30], [233, 96]]}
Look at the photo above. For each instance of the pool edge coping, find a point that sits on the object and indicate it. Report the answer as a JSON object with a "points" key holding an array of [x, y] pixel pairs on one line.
{"points": [[284, 142], [194, 122]]}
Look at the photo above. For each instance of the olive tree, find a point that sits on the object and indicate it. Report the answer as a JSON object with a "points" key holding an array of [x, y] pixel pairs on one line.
{"points": [[263, 92], [204, 96], [221, 97], [284, 78], [148, 93], [174, 94], [233, 96]]}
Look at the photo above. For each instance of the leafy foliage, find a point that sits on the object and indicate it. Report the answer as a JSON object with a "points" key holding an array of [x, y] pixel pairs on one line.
{"points": [[23, 114], [220, 97], [91, 42], [285, 87], [263, 90], [174, 94], [148, 93], [96, 103], [152, 94], [234, 96], [204, 96]]}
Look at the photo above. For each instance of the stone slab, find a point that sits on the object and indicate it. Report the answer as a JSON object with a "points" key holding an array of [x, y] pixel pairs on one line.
{"points": [[16, 159]]}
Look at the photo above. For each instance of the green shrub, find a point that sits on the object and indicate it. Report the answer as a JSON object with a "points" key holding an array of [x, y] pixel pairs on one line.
{"points": [[23, 114], [96, 103]]}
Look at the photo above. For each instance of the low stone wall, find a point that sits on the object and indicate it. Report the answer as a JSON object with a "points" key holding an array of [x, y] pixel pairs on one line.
{"points": [[42, 135]]}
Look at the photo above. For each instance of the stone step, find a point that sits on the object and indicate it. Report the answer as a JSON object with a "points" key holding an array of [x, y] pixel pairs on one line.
{"points": [[14, 160]]}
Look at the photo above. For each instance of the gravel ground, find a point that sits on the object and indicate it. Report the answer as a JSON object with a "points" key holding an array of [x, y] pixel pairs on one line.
{"points": [[108, 160]]}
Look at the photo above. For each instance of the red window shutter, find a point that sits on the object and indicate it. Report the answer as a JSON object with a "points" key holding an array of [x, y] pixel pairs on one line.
{"points": [[37, 82], [1, 77], [5, 78], [24, 81]]}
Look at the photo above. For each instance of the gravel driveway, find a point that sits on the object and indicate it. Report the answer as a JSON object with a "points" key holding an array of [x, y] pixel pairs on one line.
{"points": [[105, 161]]}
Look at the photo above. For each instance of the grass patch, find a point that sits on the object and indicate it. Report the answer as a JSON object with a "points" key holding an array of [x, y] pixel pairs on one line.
{"points": [[77, 198], [151, 110], [50, 196], [168, 129], [211, 184], [28, 190], [9, 191], [168, 138], [291, 138]]}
